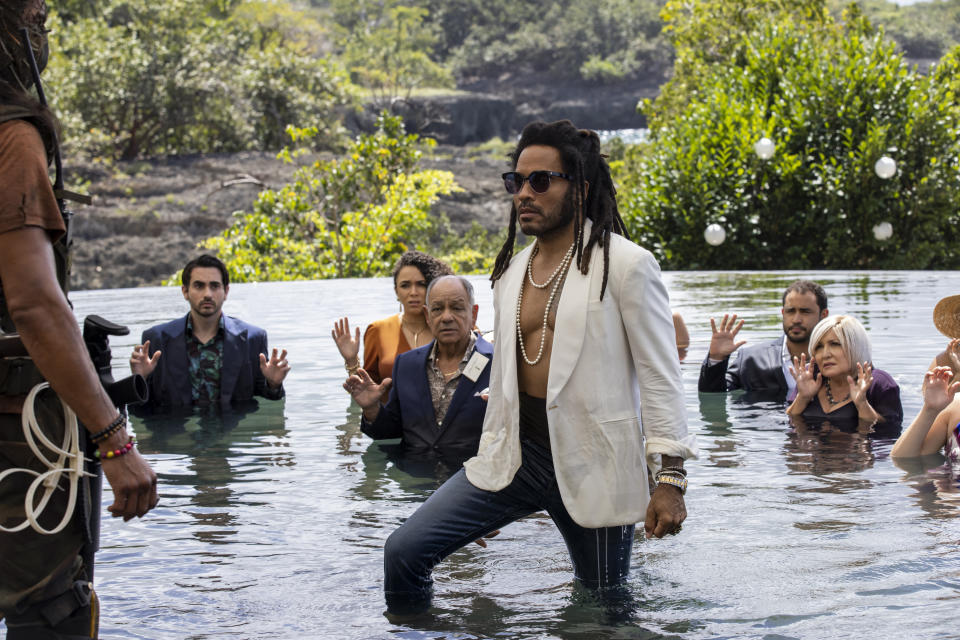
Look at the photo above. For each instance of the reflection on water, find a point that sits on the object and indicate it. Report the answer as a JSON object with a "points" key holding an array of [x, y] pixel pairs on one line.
{"points": [[272, 519]]}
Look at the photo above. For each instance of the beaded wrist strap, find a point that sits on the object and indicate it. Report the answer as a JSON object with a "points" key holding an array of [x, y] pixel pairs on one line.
{"points": [[680, 471], [111, 429], [673, 480], [116, 453]]}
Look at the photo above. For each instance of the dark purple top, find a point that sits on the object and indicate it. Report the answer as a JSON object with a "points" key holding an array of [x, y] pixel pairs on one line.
{"points": [[883, 395]]}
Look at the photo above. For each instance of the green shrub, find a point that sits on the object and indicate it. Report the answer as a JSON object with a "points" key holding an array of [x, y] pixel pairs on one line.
{"points": [[834, 99], [349, 217], [138, 77]]}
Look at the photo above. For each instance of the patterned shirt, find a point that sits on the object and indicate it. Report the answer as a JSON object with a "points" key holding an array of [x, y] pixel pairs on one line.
{"points": [[205, 362], [442, 387]]}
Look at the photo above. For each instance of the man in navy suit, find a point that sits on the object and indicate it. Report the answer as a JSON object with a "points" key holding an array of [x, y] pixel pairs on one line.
{"points": [[435, 401], [208, 358], [764, 367]]}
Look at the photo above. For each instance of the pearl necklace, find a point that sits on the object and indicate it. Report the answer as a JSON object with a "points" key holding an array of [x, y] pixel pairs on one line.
{"points": [[533, 254], [546, 312]]}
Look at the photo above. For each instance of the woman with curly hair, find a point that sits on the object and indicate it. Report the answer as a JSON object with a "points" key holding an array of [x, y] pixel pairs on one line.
{"points": [[386, 338]]}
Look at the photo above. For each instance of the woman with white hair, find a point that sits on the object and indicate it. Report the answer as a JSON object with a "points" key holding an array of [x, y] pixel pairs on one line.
{"points": [[839, 381]]}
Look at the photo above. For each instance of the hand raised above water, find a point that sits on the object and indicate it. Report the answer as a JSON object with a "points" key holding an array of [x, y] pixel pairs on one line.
{"points": [[275, 369], [348, 346], [364, 390], [140, 362], [808, 385], [938, 392], [723, 341]]}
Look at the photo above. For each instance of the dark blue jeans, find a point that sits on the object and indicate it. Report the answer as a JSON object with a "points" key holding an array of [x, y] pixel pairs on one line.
{"points": [[458, 513]]}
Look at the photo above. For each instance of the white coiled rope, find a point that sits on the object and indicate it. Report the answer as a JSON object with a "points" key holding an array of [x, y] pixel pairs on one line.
{"points": [[69, 461]]}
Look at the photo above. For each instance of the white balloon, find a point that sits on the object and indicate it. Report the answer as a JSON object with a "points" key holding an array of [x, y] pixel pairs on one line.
{"points": [[886, 167], [883, 231], [764, 148], [714, 234]]}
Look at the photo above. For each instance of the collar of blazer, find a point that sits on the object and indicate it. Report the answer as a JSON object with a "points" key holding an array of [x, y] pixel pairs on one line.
{"points": [[571, 320]]}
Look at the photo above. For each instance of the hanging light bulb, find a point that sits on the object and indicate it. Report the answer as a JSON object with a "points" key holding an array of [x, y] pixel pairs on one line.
{"points": [[886, 167], [764, 148], [714, 234], [883, 231]]}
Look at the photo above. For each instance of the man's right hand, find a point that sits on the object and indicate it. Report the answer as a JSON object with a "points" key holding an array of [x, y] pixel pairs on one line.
{"points": [[133, 482], [366, 392], [723, 341], [140, 360]]}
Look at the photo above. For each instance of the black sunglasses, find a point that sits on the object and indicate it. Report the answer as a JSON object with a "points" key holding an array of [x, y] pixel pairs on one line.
{"points": [[539, 180]]}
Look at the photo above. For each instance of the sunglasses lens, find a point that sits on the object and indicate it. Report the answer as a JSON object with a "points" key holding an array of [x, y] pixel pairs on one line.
{"points": [[539, 181], [512, 182]]}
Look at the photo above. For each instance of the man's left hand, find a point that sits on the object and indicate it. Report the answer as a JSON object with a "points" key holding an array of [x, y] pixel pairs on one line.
{"points": [[276, 369], [666, 512]]}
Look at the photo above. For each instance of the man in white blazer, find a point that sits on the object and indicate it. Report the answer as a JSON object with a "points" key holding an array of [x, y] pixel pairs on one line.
{"points": [[585, 389]]}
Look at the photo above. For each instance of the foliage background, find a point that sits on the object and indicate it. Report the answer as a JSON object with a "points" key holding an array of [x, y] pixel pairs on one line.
{"points": [[835, 97], [133, 79]]}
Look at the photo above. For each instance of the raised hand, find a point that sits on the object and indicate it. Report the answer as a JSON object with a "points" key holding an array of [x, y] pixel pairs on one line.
{"points": [[938, 392], [141, 362], [364, 390], [859, 388], [276, 369], [349, 346], [723, 341], [808, 385]]}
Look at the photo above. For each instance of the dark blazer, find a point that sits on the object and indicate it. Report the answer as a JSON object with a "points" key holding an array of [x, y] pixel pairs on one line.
{"points": [[240, 377], [756, 368], [409, 412]]}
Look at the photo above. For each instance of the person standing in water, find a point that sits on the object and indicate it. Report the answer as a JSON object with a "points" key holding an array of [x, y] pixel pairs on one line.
{"points": [[585, 339]]}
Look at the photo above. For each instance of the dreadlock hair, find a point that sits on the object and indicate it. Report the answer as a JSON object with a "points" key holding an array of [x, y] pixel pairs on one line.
{"points": [[580, 153], [16, 79]]}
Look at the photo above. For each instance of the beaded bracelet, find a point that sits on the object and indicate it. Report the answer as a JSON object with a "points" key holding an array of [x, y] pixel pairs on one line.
{"points": [[116, 453], [673, 480], [668, 474], [111, 429], [678, 470]]}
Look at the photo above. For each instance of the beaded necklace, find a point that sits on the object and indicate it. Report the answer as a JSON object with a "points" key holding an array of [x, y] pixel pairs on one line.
{"points": [[556, 278], [826, 383]]}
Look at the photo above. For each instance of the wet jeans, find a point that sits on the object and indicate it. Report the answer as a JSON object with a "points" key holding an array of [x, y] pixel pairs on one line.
{"points": [[458, 513]]}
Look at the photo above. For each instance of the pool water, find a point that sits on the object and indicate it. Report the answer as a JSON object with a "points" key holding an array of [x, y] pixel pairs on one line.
{"points": [[272, 524]]}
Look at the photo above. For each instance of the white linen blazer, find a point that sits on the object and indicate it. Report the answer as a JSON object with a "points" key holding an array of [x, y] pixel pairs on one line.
{"points": [[613, 361]]}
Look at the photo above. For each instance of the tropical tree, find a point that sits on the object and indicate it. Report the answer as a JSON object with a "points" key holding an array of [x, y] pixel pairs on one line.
{"points": [[834, 99], [139, 77], [388, 49]]}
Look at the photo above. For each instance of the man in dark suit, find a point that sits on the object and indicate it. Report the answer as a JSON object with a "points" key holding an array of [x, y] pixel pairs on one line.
{"points": [[764, 367], [435, 401], [208, 358]]}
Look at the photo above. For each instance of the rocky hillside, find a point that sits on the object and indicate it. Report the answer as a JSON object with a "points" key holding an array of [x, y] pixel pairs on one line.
{"points": [[148, 216]]}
